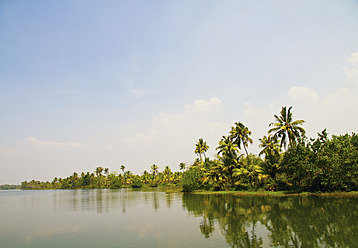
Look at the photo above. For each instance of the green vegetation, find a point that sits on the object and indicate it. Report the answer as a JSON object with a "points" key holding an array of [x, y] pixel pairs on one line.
{"points": [[288, 161], [297, 221], [9, 186], [102, 178], [306, 165]]}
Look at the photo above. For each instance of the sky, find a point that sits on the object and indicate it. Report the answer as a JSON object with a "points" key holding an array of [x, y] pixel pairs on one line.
{"points": [[135, 83]]}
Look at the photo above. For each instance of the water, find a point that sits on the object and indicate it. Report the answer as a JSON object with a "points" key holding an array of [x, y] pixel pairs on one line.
{"points": [[131, 218]]}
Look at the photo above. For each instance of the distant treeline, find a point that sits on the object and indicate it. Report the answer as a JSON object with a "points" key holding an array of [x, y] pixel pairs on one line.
{"points": [[9, 186], [102, 178], [288, 161]]}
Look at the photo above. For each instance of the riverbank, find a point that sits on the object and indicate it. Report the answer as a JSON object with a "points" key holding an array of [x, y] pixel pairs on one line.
{"points": [[275, 193]]}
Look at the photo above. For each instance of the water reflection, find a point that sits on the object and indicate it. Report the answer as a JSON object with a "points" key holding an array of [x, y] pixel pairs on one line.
{"points": [[134, 218], [252, 221], [103, 200]]}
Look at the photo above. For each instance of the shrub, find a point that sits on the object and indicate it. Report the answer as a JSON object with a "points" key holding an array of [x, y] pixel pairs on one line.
{"points": [[190, 180]]}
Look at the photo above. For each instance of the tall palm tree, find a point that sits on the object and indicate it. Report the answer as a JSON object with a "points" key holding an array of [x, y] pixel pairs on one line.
{"points": [[154, 169], [200, 148], [239, 135], [286, 128], [123, 167]]}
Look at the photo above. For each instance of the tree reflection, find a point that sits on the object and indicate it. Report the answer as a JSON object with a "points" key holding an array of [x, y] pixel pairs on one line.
{"points": [[294, 221]]}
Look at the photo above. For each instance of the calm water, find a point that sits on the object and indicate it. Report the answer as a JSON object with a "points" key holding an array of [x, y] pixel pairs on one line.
{"points": [[127, 218]]}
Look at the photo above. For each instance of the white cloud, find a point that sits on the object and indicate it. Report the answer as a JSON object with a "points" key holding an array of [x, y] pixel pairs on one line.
{"points": [[136, 91], [53, 145], [214, 104], [336, 111], [351, 70], [172, 137], [303, 94], [140, 138], [353, 59]]}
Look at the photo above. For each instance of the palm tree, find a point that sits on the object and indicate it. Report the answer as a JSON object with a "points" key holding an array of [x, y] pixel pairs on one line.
{"points": [[239, 134], [273, 157], [200, 148], [226, 147], [145, 176], [286, 128], [99, 171], [182, 166], [167, 172], [229, 157], [123, 167], [154, 169], [251, 168], [270, 145]]}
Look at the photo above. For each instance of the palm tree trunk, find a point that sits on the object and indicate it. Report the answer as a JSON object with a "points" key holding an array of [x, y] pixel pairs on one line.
{"points": [[244, 145]]}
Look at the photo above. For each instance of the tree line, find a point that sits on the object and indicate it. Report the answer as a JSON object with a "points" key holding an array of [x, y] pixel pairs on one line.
{"points": [[102, 178], [288, 161], [9, 186]]}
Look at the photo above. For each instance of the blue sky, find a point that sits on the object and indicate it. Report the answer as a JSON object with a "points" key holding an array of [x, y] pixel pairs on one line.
{"points": [[105, 83]]}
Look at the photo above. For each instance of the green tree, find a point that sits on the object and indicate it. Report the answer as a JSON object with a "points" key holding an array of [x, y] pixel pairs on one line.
{"points": [[167, 173], [99, 171], [229, 157], [286, 128], [272, 160], [154, 169], [191, 179], [200, 148], [270, 145], [250, 170], [240, 135], [182, 166]]}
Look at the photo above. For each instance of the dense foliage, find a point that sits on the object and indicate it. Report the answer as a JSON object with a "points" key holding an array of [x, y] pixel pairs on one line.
{"points": [[312, 165], [323, 164]]}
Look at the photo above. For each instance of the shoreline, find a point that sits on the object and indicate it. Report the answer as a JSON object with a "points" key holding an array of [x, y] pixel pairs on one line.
{"points": [[277, 193]]}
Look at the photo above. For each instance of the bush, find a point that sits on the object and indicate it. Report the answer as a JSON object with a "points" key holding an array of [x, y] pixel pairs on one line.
{"points": [[190, 180], [137, 182]]}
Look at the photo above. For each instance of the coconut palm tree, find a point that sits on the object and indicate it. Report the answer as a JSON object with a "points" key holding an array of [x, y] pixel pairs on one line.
{"points": [[273, 157], [286, 128], [229, 157], [239, 135], [99, 171], [200, 148], [167, 172], [270, 145], [182, 166], [251, 168], [123, 167], [154, 169]]}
